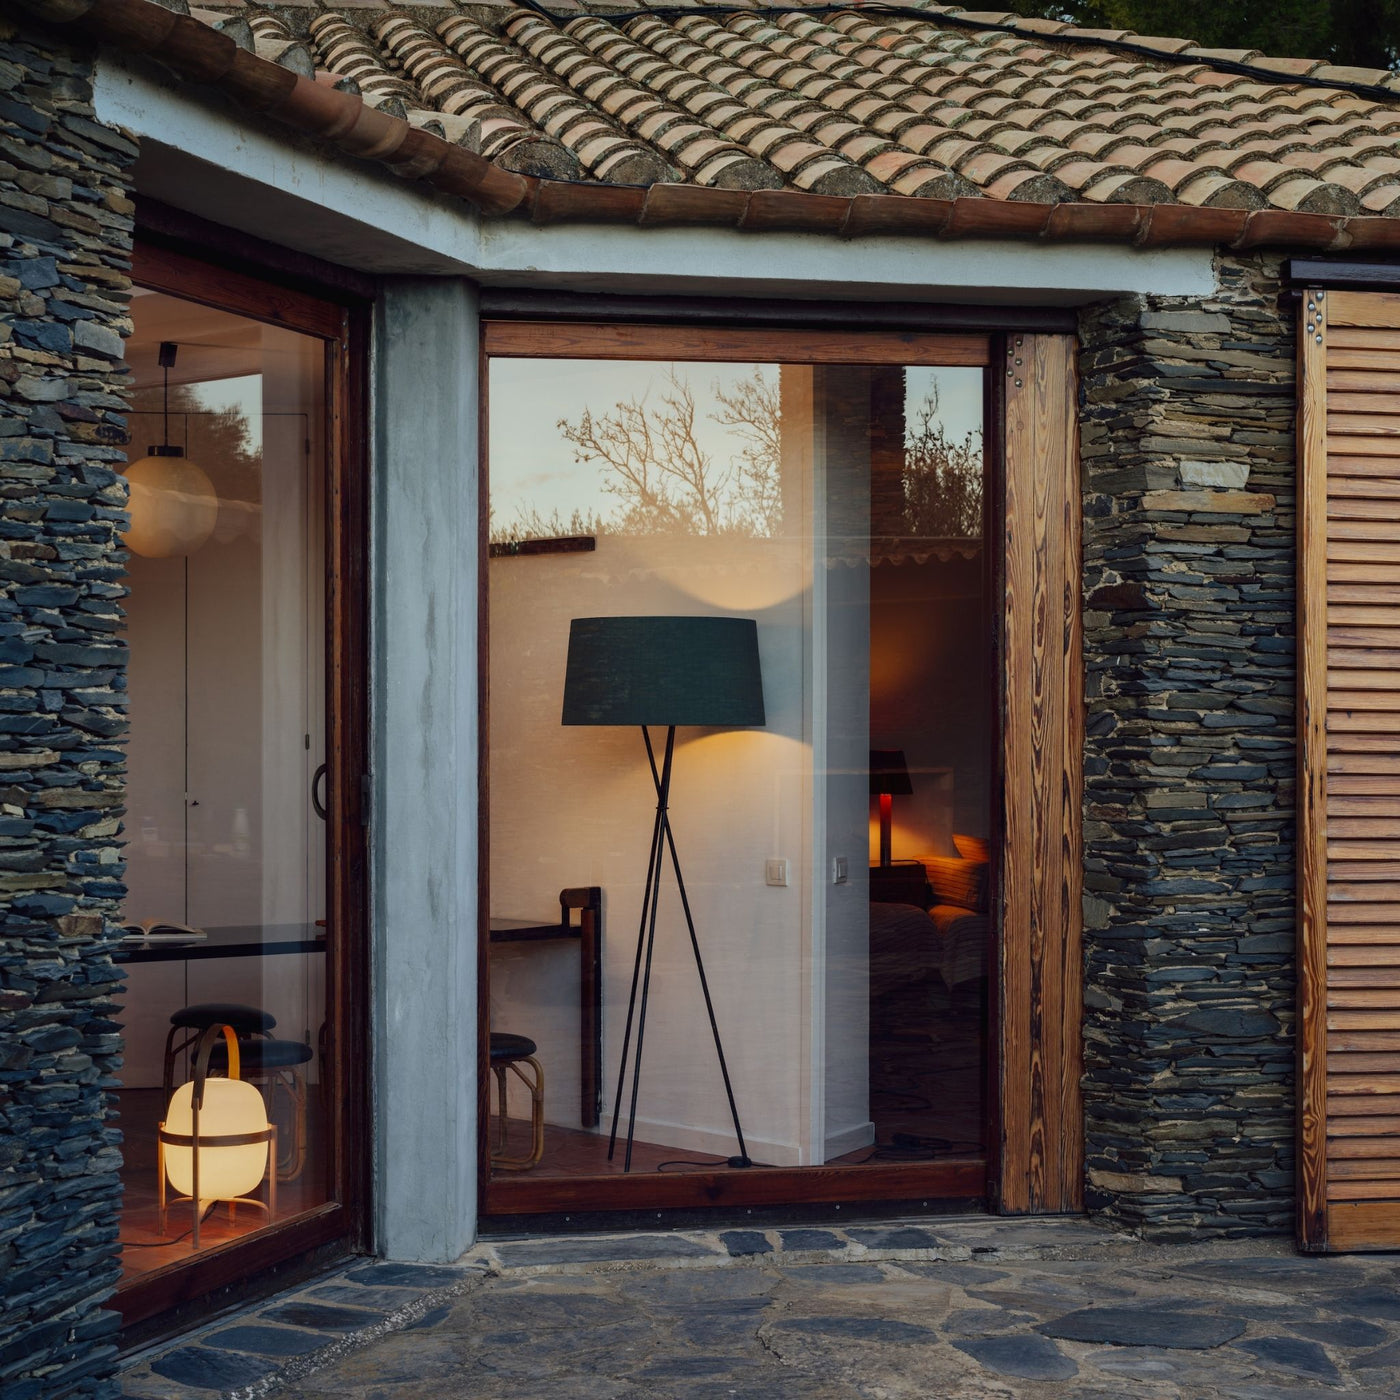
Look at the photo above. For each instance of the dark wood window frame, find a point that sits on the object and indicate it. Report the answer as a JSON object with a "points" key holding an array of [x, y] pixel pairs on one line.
{"points": [[341, 321], [1034, 1159]]}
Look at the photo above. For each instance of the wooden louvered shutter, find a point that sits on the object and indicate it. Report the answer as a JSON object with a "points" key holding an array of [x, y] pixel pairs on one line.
{"points": [[1349, 771]]}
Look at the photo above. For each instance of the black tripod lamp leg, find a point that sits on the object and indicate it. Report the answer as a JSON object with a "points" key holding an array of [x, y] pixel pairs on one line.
{"points": [[662, 797], [652, 861], [742, 1160]]}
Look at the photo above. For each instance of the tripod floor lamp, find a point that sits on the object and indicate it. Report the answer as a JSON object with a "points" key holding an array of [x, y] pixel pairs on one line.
{"points": [[665, 671]]}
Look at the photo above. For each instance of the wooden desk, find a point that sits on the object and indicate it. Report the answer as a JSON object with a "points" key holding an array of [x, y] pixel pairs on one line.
{"points": [[589, 933]]}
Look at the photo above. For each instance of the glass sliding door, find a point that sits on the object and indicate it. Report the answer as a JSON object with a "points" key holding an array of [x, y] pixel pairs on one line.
{"points": [[237, 945], [792, 971]]}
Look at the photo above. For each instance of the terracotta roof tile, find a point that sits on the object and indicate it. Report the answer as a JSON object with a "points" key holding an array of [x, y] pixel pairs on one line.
{"points": [[1384, 199], [947, 106]]}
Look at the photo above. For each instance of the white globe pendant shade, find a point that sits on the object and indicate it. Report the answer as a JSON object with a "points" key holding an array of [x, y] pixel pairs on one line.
{"points": [[172, 503], [231, 1108]]}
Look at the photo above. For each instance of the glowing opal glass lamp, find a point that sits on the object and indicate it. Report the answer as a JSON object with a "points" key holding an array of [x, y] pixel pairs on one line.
{"points": [[664, 671], [216, 1143], [172, 502]]}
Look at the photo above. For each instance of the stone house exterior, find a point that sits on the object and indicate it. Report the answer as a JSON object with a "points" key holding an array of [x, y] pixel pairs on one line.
{"points": [[1167, 208]]}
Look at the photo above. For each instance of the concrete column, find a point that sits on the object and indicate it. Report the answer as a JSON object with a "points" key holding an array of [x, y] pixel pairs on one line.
{"points": [[424, 690]]}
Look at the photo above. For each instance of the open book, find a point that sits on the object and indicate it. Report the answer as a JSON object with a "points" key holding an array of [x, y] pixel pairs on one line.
{"points": [[159, 931]]}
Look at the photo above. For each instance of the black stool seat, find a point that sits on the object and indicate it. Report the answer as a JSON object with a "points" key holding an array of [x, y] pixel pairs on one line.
{"points": [[505, 1048], [245, 1020], [255, 1055]]}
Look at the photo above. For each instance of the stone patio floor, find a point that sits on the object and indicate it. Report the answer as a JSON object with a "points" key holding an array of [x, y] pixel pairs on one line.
{"points": [[966, 1307]]}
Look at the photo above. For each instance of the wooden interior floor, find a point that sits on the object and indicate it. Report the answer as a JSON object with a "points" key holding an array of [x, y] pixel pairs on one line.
{"points": [[144, 1245], [927, 1095]]}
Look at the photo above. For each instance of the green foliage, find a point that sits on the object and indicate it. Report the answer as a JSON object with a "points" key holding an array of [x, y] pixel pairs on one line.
{"points": [[1364, 33]]}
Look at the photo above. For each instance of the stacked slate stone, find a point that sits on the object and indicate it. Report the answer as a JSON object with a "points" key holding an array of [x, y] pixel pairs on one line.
{"points": [[65, 247], [1188, 464]]}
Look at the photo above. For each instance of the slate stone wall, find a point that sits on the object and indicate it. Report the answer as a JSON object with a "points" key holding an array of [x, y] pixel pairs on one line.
{"points": [[65, 244], [1188, 466]]}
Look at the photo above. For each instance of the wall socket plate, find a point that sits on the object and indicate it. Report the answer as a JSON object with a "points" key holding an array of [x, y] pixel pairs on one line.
{"points": [[775, 872], [840, 870]]}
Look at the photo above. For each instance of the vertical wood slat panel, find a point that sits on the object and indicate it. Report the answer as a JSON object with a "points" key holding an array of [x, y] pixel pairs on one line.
{"points": [[1312, 783], [1349, 772], [1042, 738]]}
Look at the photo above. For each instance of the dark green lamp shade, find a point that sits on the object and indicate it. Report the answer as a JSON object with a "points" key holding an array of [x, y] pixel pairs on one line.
{"points": [[664, 670]]}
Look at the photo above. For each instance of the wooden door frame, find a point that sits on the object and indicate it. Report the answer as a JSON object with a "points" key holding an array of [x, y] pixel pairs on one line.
{"points": [[341, 322], [1041, 1002], [1038, 1166]]}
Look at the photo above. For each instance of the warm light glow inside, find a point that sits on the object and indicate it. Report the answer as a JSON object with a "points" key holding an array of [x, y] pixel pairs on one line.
{"points": [[173, 507], [230, 1106]]}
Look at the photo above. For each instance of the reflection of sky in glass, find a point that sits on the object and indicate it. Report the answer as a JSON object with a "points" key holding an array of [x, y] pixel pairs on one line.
{"points": [[532, 466], [242, 393], [959, 393]]}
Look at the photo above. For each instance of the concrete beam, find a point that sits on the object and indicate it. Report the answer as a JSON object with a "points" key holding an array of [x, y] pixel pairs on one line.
{"points": [[212, 160]]}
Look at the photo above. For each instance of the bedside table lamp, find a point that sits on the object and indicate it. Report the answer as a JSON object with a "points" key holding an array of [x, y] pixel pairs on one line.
{"points": [[663, 671], [889, 778]]}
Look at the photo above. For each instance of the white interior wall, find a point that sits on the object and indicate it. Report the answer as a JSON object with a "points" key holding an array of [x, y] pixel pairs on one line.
{"points": [[155, 746], [574, 806], [788, 967], [226, 661]]}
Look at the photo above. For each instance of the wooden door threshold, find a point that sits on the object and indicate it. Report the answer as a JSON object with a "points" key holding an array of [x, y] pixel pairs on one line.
{"points": [[961, 1180]]}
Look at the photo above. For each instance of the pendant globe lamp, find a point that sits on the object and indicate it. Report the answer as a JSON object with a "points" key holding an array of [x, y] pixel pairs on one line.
{"points": [[663, 671], [172, 502]]}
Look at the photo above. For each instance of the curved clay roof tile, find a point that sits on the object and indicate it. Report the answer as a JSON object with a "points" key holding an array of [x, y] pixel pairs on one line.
{"points": [[1062, 132]]}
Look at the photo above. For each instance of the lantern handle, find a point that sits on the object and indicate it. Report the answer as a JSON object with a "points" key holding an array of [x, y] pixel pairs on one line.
{"points": [[199, 1065]]}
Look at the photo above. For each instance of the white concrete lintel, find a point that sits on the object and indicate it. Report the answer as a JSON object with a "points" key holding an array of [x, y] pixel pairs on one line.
{"points": [[201, 155]]}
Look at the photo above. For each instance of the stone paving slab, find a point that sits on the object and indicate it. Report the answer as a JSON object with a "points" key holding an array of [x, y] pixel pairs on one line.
{"points": [[261, 1349], [916, 1310], [954, 1238]]}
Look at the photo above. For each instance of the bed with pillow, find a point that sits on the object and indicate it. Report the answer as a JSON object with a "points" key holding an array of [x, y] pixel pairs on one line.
{"points": [[945, 932]]}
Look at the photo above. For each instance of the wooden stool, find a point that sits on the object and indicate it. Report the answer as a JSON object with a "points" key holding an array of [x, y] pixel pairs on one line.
{"points": [[193, 1021], [515, 1052], [274, 1065]]}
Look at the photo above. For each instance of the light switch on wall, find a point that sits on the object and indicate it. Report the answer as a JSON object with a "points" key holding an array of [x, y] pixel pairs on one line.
{"points": [[775, 872], [840, 871]]}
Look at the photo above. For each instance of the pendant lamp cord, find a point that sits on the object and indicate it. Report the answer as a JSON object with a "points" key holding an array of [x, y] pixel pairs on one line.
{"points": [[168, 350]]}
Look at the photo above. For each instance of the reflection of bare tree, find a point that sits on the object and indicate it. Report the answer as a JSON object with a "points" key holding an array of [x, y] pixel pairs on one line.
{"points": [[942, 478], [754, 411], [665, 480]]}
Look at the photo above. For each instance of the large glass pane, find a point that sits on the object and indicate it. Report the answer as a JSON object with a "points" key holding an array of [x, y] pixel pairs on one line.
{"points": [[225, 853], [840, 509]]}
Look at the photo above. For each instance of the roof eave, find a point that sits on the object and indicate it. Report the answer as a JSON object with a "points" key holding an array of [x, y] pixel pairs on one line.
{"points": [[198, 54]]}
